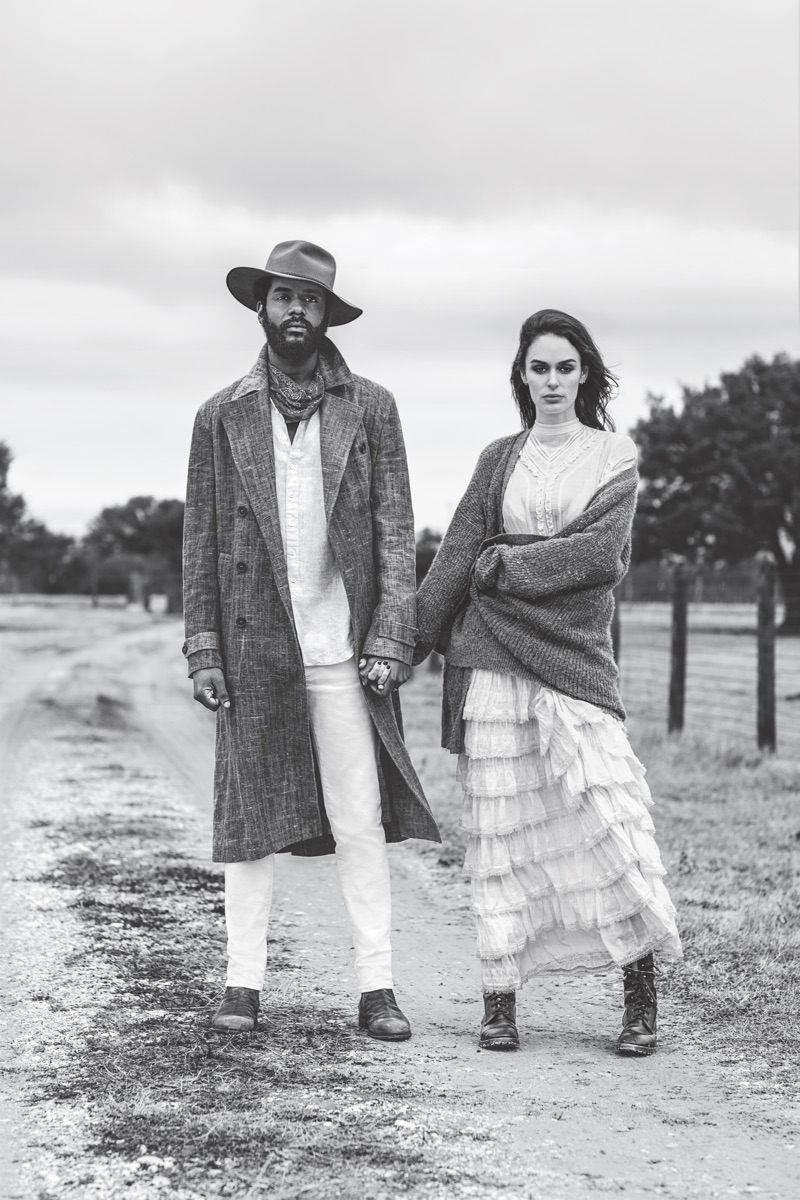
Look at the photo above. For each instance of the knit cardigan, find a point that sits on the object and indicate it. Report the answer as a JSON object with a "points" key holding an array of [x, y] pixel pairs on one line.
{"points": [[536, 607]]}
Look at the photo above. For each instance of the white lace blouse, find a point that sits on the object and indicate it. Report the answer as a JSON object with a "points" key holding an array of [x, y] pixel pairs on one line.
{"points": [[559, 470]]}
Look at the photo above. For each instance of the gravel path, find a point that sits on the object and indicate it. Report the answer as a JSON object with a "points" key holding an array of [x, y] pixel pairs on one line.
{"points": [[107, 764]]}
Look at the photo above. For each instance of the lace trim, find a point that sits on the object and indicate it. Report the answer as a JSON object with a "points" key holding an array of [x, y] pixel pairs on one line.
{"points": [[546, 469], [519, 936], [564, 456], [510, 972]]}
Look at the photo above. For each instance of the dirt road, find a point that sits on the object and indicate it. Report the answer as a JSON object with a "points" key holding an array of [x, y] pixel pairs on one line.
{"points": [[100, 734]]}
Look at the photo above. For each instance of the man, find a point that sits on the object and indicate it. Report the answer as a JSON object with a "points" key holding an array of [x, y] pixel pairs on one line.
{"points": [[298, 557]]}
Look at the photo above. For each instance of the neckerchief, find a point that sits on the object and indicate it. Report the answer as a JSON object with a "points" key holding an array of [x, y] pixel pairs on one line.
{"points": [[294, 401]]}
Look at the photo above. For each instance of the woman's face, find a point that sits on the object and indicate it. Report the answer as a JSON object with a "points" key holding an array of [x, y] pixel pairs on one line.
{"points": [[553, 372]]}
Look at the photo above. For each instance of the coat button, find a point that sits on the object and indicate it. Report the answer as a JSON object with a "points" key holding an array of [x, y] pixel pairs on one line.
{"points": [[241, 567], [362, 448], [242, 511], [241, 622]]}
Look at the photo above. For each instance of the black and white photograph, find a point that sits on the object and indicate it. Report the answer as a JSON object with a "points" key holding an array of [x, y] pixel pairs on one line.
{"points": [[399, 600]]}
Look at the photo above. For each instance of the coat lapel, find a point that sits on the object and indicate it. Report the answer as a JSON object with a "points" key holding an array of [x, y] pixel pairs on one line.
{"points": [[341, 420], [247, 420]]}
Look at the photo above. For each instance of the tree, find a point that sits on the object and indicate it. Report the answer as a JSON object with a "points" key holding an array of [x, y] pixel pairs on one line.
{"points": [[12, 508], [141, 526], [32, 558], [721, 477], [149, 534], [40, 559]]}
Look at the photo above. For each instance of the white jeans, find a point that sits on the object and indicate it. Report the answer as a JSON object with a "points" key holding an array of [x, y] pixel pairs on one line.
{"points": [[346, 746]]}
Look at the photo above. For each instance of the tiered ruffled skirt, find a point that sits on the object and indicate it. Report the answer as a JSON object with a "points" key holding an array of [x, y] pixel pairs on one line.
{"points": [[564, 868]]}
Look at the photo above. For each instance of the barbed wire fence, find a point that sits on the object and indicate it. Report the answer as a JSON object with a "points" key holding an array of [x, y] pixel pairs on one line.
{"points": [[709, 666]]}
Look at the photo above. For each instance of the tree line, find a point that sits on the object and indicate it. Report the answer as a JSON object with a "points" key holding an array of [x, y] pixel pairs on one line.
{"points": [[720, 482], [132, 549]]}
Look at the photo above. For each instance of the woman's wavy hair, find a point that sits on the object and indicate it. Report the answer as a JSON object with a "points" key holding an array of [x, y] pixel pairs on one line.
{"points": [[593, 395]]}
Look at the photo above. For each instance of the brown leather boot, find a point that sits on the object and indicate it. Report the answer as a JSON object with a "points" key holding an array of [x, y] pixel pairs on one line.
{"points": [[238, 1012], [499, 1024], [641, 1006]]}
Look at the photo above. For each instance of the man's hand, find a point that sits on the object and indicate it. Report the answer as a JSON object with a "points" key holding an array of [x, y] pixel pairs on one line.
{"points": [[383, 675], [210, 689]]}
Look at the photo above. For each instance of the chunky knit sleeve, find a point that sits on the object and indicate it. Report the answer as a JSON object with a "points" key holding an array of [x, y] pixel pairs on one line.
{"points": [[577, 558], [446, 585]]}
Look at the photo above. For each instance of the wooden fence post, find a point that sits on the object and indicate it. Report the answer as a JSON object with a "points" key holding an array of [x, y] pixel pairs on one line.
{"points": [[765, 687], [94, 571], [677, 673]]}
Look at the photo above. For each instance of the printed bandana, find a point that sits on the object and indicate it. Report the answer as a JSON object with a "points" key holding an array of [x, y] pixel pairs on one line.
{"points": [[293, 401]]}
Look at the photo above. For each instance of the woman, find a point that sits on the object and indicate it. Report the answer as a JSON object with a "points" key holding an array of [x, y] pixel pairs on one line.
{"points": [[564, 870]]}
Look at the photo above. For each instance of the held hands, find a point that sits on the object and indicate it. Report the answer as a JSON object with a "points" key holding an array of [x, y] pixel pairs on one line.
{"points": [[383, 675], [210, 689]]}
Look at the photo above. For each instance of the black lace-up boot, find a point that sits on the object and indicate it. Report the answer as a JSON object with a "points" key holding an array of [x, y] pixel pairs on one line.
{"points": [[499, 1024], [639, 1018]]}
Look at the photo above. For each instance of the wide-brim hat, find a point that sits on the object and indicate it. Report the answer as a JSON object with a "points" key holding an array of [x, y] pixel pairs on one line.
{"points": [[293, 260]]}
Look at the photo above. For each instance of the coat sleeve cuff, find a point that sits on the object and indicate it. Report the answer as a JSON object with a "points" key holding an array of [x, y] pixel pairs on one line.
{"points": [[386, 647], [201, 641], [203, 659]]}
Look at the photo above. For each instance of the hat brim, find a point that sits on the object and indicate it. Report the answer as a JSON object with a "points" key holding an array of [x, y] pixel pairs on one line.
{"points": [[242, 283]]}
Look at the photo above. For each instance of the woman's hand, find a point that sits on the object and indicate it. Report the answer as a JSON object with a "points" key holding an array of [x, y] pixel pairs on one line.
{"points": [[383, 675]]}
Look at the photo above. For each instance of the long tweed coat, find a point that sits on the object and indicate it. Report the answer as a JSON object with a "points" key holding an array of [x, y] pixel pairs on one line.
{"points": [[239, 611]]}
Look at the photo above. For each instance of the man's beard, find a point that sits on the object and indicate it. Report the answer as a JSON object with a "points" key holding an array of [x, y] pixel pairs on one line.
{"points": [[292, 350]]}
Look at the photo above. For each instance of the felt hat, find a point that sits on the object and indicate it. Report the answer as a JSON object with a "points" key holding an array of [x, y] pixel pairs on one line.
{"points": [[294, 260]]}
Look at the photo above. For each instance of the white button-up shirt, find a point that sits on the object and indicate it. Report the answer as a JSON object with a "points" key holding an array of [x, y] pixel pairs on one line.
{"points": [[319, 601]]}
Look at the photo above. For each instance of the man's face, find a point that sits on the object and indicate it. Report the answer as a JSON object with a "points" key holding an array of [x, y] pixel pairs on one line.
{"points": [[293, 318]]}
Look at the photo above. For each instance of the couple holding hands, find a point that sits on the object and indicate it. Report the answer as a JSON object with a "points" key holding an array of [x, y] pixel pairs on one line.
{"points": [[302, 622]]}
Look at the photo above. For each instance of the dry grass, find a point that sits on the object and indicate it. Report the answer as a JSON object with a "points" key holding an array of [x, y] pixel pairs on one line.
{"points": [[188, 1112], [728, 823]]}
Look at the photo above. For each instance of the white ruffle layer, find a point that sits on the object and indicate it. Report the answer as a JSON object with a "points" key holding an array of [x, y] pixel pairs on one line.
{"points": [[565, 871], [575, 768], [576, 818], [549, 858]]}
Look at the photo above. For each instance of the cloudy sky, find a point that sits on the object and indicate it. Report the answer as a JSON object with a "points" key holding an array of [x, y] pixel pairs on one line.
{"points": [[631, 161]]}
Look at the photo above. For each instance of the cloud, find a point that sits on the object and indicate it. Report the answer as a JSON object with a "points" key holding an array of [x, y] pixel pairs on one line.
{"points": [[431, 288], [453, 107], [467, 163], [116, 368]]}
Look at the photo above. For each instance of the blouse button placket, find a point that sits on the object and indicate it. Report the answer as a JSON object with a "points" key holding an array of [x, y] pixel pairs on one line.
{"points": [[292, 506]]}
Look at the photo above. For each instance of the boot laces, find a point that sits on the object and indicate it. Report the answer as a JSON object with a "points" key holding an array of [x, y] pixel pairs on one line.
{"points": [[501, 1004], [640, 991]]}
